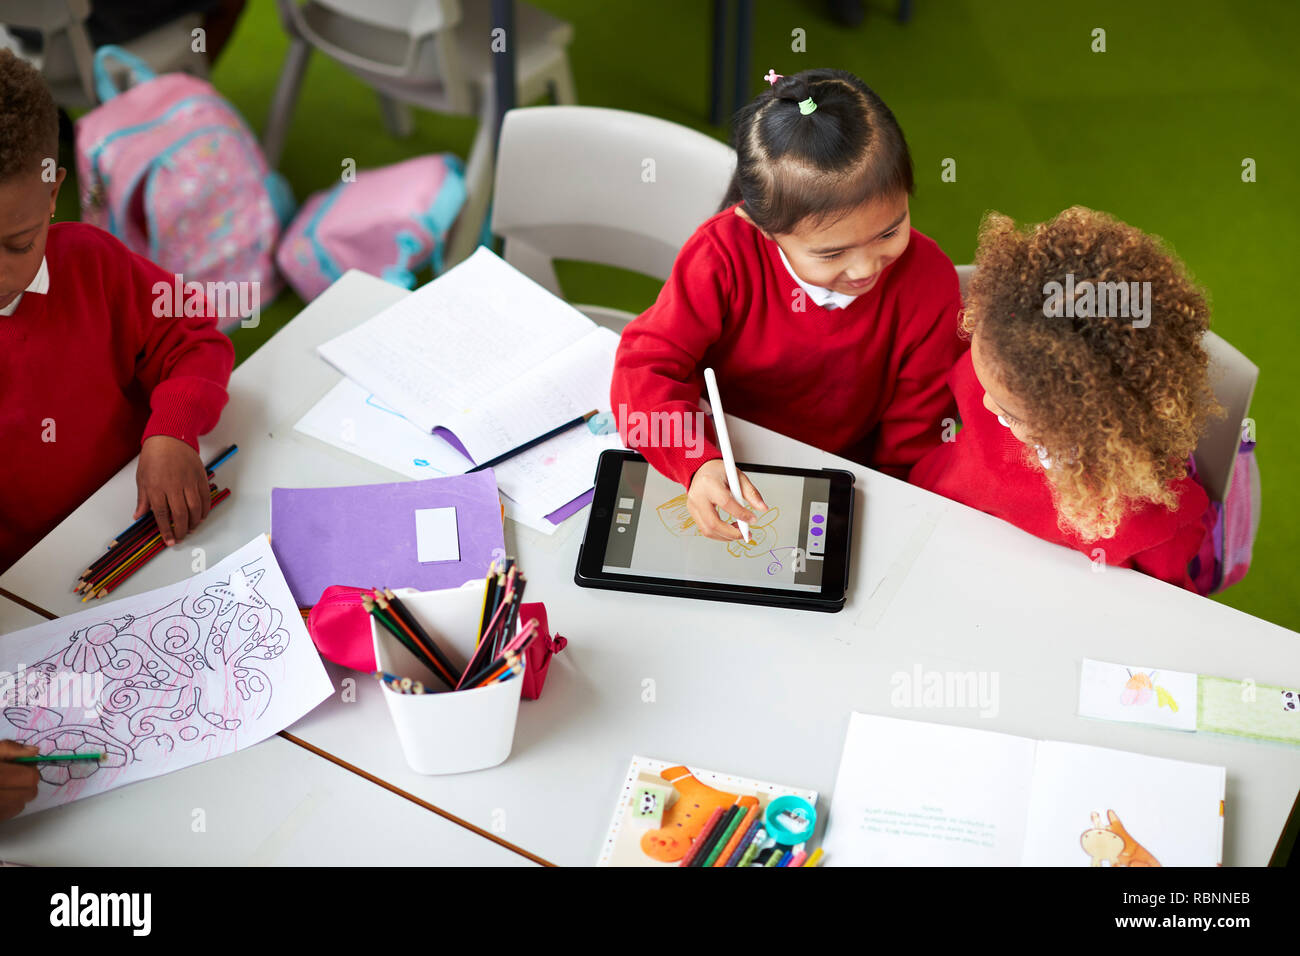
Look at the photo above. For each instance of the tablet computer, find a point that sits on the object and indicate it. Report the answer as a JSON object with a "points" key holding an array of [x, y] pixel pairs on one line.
{"points": [[640, 537]]}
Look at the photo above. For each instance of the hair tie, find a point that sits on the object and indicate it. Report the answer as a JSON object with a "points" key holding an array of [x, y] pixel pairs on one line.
{"points": [[807, 106], [772, 76]]}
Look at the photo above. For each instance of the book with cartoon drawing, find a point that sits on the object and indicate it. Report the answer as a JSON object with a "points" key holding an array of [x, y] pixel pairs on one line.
{"points": [[911, 793], [639, 836]]}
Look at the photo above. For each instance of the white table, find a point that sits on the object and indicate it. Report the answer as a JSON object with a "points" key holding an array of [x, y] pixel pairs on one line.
{"points": [[935, 585], [274, 804]]}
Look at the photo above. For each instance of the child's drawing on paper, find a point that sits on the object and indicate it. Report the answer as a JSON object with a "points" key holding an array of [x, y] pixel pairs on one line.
{"points": [[1113, 845], [169, 684], [1140, 687]]}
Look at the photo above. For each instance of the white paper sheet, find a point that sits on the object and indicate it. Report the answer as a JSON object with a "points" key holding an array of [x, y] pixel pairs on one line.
{"points": [[910, 793], [162, 680], [435, 535], [1138, 695], [1150, 808]]}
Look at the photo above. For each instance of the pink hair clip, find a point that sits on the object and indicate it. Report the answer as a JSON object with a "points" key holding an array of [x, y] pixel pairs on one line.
{"points": [[772, 76]]}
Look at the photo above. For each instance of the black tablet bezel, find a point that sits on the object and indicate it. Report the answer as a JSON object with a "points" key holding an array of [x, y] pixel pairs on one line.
{"points": [[590, 571]]}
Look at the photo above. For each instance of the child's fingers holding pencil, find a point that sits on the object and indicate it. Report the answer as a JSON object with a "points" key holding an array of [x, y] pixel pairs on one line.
{"points": [[751, 493]]}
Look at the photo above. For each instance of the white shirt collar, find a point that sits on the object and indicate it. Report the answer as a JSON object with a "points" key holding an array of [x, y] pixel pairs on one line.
{"points": [[40, 285], [826, 298]]}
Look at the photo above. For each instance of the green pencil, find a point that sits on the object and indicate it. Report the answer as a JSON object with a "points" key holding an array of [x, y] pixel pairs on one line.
{"points": [[56, 758]]}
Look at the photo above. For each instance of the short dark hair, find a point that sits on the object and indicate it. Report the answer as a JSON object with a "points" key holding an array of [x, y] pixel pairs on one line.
{"points": [[792, 166], [29, 120]]}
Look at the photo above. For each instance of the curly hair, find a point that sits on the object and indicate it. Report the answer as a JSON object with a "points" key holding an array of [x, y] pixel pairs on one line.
{"points": [[793, 166], [1117, 406], [29, 120]]}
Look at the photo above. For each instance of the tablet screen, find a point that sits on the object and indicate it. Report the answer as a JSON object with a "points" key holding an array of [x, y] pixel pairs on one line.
{"points": [[653, 534]]}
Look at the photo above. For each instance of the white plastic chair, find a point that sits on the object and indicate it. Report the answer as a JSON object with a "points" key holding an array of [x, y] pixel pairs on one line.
{"points": [[604, 186], [1233, 378], [431, 54], [68, 58]]}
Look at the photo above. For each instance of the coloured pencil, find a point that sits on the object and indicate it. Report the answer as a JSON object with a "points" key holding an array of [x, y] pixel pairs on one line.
{"points": [[720, 849], [150, 549], [785, 858], [716, 835], [520, 449], [374, 611], [508, 656], [57, 758], [815, 858], [698, 845], [144, 519], [745, 840], [445, 665], [798, 858], [751, 851], [488, 600], [125, 554], [776, 856], [379, 608], [737, 837]]}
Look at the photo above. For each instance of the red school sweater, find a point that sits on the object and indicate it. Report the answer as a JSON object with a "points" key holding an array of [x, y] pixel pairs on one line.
{"points": [[865, 382], [986, 468], [90, 366]]}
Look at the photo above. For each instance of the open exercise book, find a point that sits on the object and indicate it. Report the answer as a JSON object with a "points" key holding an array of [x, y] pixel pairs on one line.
{"points": [[916, 794], [692, 795], [486, 359]]}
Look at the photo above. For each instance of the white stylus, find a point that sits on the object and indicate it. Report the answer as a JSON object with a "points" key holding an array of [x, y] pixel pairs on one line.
{"points": [[724, 444]]}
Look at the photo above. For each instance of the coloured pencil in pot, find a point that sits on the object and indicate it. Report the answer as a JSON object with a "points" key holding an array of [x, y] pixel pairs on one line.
{"points": [[379, 607], [446, 669]]}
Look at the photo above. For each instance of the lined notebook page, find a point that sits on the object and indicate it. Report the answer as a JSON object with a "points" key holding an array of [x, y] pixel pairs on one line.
{"points": [[436, 355]]}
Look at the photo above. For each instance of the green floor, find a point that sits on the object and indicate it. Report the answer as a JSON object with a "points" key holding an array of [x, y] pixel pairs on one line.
{"points": [[1153, 130]]}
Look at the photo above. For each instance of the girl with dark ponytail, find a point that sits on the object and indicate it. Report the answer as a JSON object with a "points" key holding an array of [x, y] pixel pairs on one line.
{"points": [[824, 314]]}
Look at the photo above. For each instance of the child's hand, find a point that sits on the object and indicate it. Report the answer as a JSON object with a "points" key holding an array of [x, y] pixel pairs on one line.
{"points": [[173, 483], [17, 781], [709, 491]]}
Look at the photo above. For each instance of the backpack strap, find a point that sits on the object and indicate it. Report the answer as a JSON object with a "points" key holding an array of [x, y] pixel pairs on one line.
{"points": [[105, 88]]}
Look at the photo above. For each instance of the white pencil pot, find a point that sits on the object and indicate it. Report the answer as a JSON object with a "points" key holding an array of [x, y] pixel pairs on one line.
{"points": [[442, 731]]}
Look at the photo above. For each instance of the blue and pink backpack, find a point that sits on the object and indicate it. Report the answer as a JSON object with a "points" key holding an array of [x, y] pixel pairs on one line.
{"points": [[171, 169], [1231, 526], [390, 222]]}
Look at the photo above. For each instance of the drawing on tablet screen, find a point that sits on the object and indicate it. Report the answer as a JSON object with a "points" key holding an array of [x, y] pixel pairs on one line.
{"points": [[762, 543], [762, 538]]}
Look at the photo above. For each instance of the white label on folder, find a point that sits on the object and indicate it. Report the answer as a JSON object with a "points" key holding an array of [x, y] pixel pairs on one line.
{"points": [[435, 535]]}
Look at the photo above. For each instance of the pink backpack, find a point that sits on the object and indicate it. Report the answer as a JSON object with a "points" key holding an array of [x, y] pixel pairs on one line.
{"points": [[171, 169], [389, 222], [1225, 554]]}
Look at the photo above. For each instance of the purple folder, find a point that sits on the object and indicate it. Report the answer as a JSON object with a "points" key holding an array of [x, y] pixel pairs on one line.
{"points": [[364, 535]]}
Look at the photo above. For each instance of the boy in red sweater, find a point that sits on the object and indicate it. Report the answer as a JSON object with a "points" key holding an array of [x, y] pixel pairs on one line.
{"points": [[91, 376], [824, 314], [1080, 407]]}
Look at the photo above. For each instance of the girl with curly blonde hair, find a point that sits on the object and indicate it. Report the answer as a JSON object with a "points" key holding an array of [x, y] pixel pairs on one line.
{"points": [[1084, 393]]}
